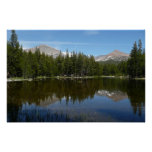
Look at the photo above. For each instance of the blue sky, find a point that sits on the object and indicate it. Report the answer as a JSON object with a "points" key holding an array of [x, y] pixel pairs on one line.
{"points": [[95, 42]]}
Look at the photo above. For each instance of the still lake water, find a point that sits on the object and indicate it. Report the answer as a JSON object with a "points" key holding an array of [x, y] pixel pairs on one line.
{"points": [[81, 100]]}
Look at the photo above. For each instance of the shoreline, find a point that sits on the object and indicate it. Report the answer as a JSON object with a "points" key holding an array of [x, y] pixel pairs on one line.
{"points": [[15, 79]]}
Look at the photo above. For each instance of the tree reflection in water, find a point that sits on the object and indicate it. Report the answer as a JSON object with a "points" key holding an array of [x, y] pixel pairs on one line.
{"points": [[27, 101]]}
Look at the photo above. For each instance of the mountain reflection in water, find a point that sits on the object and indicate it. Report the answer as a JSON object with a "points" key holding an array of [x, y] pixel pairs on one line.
{"points": [[79, 100]]}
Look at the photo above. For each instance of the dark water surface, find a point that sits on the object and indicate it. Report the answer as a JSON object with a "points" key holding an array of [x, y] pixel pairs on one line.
{"points": [[81, 100]]}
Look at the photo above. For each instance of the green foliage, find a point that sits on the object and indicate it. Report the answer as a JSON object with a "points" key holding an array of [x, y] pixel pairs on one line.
{"points": [[14, 56], [136, 62], [31, 65]]}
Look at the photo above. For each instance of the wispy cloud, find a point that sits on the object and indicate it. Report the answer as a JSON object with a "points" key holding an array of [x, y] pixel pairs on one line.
{"points": [[91, 32], [62, 44], [56, 44], [53, 42]]}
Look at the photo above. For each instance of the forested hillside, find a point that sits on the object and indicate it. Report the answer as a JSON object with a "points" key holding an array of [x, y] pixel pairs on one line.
{"points": [[31, 65]]}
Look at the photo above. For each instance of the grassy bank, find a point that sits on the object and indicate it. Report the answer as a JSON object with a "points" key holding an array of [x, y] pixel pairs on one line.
{"points": [[68, 77], [25, 79], [55, 77], [139, 78]]}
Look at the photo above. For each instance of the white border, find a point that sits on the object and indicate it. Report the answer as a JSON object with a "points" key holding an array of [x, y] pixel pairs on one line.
{"points": [[97, 14]]}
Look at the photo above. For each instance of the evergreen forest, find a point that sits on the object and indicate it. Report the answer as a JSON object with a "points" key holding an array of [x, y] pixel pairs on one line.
{"points": [[32, 65]]}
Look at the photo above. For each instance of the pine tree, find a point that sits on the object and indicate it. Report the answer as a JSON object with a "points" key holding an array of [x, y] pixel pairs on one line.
{"points": [[136, 63], [14, 56], [133, 62], [59, 64], [32, 65]]}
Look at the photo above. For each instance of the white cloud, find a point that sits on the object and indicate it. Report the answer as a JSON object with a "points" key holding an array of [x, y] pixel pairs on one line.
{"points": [[52, 43]]}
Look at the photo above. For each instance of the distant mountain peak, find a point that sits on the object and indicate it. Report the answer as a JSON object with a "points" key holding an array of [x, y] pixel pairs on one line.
{"points": [[116, 51], [116, 55], [44, 45], [45, 49]]}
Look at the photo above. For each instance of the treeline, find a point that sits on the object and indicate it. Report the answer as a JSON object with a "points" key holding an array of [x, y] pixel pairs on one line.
{"points": [[136, 62], [31, 65], [112, 69]]}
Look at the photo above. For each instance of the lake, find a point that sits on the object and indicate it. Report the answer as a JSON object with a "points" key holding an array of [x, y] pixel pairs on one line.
{"points": [[77, 100]]}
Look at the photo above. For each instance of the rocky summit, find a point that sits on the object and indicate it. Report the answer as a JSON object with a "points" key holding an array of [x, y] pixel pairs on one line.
{"points": [[115, 56], [46, 50]]}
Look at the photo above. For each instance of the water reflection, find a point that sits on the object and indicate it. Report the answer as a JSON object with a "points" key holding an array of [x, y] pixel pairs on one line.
{"points": [[76, 100]]}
